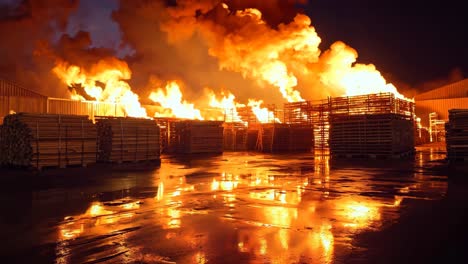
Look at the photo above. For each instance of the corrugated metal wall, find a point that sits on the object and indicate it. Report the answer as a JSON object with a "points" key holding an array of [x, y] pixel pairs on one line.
{"points": [[440, 106], [454, 90], [92, 109], [22, 104], [18, 99]]}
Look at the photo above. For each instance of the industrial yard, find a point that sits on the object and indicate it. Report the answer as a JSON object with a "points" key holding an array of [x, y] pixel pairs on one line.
{"points": [[237, 208], [232, 132]]}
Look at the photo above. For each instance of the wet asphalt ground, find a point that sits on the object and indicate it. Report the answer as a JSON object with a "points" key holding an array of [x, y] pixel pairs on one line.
{"points": [[240, 208]]}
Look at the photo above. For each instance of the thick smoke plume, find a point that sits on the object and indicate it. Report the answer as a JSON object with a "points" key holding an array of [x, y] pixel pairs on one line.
{"points": [[262, 50], [25, 26]]}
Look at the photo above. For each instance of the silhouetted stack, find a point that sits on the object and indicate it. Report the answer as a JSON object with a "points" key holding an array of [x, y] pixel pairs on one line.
{"points": [[235, 137], [47, 140], [376, 135], [195, 136], [277, 137], [124, 139], [457, 135]]}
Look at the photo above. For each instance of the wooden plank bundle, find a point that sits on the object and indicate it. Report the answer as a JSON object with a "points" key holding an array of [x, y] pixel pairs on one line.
{"points": [[378, 135], [284, 138], [125, 139], [457, 135], [301, 138], [164, 123], [195, 136], [48, 140], [234, 136]]}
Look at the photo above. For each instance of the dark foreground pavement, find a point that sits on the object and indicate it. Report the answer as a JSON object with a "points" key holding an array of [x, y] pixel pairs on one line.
{"points": [[240, 208]]}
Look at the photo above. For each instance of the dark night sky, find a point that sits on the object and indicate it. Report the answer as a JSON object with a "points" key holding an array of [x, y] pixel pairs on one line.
{"points": [[415, 41]]}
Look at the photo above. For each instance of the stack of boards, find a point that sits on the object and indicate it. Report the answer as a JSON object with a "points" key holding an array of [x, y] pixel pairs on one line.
{"points": [[124, 139], [457, 135], [195, 136], [47, 140], [374, 135]]}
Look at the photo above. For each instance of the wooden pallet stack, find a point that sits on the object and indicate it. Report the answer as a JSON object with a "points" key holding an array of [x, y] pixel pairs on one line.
{"points": [[310, 114], [124, 139], [164, 123], [376, 135], [457, 135], [273, 138], [48, 140], [195, 136], [301, 138], [235, 137], [277, 137]]}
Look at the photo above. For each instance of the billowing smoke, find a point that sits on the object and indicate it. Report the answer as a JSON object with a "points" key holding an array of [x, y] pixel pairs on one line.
{"points": [[262, 50], [25, 26], [232, 45]]}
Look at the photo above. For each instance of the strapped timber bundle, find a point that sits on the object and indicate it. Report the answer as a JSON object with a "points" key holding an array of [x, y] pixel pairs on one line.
{"points": [[276, 137], [457, 135], [47, 140], [164, 123], [195, 136], [125, 139]]}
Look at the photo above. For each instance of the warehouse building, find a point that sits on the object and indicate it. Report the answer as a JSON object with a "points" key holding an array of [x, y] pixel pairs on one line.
{"points": [[432, 106]]}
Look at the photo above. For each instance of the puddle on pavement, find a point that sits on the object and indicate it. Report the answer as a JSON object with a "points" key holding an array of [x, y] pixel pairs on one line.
{"points": [[234, 208]]}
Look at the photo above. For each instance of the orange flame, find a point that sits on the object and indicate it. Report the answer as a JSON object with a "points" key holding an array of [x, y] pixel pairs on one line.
{"points": [[111, 73], [171, 99], [262, 113], [354, 79], [228, 105]]}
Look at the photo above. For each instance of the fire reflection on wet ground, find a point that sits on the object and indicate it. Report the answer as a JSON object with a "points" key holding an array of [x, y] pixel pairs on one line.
{"points": [[234, 208]]}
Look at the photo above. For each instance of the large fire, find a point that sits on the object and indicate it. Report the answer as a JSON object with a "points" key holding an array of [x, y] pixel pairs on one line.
{"points": [[112, 74], [171, 99], [270, 57]]}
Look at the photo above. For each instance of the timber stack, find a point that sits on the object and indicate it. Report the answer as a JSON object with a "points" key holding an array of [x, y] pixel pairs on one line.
{"points": [[375, 125], [47, 140], [164, 123], [457, 135], [277, 137], [125, 139], [234, 136], [195, 136]]}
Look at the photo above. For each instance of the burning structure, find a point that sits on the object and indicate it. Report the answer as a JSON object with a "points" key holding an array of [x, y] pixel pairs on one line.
{"points": [[243, 53]]}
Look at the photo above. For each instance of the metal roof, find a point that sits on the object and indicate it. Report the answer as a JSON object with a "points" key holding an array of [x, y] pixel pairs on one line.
{"points": [[454, 90]]}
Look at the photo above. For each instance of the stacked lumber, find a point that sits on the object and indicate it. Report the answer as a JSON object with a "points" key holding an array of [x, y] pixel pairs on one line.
{"points": [[164, 123], [273, 138], [284, 138], [457, 135], [125, 139], [377, 135], [48, 140], [371, 104], [195, 136], [301, 138], [234, 136]]}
